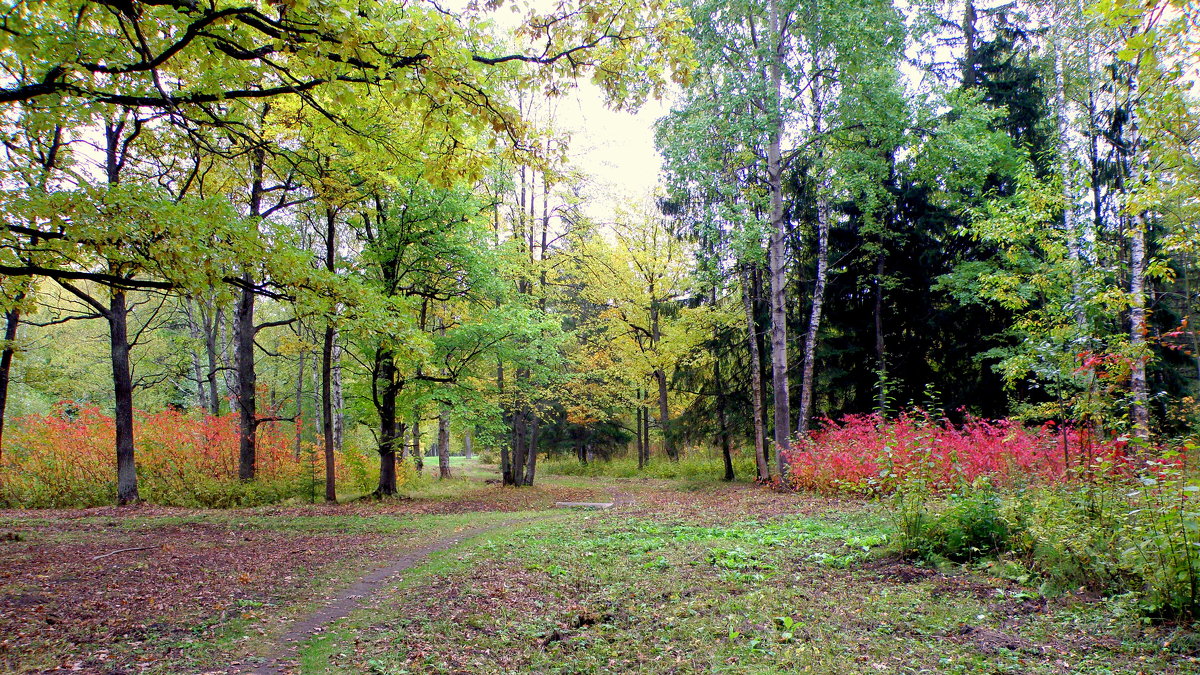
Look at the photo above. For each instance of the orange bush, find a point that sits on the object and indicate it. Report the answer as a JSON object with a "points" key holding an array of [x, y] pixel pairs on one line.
{"points": [[66, 459]]}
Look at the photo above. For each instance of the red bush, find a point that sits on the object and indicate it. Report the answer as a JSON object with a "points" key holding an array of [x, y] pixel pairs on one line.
{"points": [[867, 453]]}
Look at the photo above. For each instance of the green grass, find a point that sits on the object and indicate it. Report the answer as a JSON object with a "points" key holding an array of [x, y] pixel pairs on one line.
{"points": [[683, 588], [694, 467], [606, 593]]}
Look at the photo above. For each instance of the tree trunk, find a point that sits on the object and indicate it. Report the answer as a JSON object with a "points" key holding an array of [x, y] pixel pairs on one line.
{"points": [[664, 415], [327, 413], [247, 379], [532, 451], [777, 254], [443, 442], [196, 332], [1140, 409], [418, 454], [520, 444], [339, 399], [638, 433], [722, 420], [1140, 412], [756, 380], [814, 319], [880, 345], [467, 451], [12, 319], [388, 438], [118, 327], [212, 333], [327, 364], [968, 30], [299, 439], [645, 435], [244, 333]]}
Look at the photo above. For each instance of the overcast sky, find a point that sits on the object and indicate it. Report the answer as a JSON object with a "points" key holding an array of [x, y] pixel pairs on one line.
{"points": [[615, 149]]}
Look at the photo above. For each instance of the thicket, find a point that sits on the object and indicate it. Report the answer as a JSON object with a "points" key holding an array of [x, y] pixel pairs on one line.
{"points": [[1055, 507], [64, 459]]}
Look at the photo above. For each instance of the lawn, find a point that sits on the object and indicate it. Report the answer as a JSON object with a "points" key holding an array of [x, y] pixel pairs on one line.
{"points": [[730, 578]]}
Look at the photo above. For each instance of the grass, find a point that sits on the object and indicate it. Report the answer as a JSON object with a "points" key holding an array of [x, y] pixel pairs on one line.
{"points": [[608, 593], [695, 466], [728, 579]]}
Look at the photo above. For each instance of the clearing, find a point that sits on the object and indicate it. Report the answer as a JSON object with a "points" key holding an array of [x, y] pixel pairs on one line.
{"points": [[472, 578]]}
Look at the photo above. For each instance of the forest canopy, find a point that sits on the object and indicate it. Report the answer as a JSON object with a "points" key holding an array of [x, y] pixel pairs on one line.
{"points": [[324, 239]]}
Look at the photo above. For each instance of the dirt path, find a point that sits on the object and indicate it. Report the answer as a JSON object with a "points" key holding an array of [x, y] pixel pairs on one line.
{"points": [[281, 658]]}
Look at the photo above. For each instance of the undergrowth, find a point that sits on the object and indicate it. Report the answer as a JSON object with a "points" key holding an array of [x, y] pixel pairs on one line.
{"points": [[66, 460], [688, 467], [1104, 531]]}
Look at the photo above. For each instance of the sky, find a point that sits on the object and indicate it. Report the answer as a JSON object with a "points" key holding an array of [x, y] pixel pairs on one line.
{"points": [[615, 148]]}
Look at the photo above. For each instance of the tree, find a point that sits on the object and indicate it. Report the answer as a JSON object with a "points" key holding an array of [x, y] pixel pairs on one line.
{"points": [[641, 279]]}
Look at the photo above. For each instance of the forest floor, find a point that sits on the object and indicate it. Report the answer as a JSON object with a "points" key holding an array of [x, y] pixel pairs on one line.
{"points": [[468, 577]]}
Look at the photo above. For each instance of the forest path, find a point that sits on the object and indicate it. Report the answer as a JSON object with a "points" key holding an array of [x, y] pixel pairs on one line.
{"points": [[281, 657]]}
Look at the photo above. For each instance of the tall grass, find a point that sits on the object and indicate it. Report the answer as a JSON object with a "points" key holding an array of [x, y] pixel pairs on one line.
{"points": [[690, 466]]}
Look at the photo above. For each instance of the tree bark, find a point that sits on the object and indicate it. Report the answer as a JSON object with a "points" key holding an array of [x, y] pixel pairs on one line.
{"points": [[660, 377], [664, 415], [1140, 411], [196, 332], [118, 327], [212, 333], [327, 364], [777, 255], [443, 442], [968, 30], [339, 399], [1138, 389], [814, 319], [519, 445], [12, 319], [327, 413], [418, 453], [881, 402], [247, 379], [645, 434], [756, 379], [638, 433], [532, 451], [244, 331], [299, 438], [388, 437]]}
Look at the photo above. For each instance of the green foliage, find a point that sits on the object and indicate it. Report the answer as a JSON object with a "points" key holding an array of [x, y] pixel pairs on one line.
{"points": [[967, 526], [1115, 535], [690, 466]]}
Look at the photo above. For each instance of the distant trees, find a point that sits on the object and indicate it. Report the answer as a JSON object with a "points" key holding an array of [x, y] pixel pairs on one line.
{"points": [[974, 236], [219, 126]]}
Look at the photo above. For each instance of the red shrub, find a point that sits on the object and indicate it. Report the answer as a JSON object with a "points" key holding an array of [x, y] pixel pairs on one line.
{"points": [[867, 453]]}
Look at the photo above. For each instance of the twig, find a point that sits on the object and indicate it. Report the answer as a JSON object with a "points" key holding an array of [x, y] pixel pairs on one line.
{"points": [[121, 550]]}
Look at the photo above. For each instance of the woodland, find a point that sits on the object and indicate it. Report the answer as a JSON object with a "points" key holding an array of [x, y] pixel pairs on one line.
{"points": [[912, 304]]}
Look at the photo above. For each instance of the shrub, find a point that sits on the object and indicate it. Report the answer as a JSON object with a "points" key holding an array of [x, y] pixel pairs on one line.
{"points": [[1115, 534], [968, 526], [65, 459], [868, 454]]}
